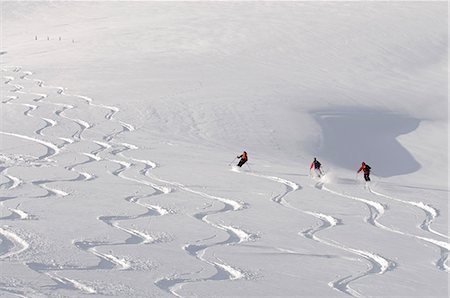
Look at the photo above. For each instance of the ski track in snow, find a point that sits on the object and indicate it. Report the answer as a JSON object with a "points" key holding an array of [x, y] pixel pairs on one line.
{"points": [[48, 123], [81, 123], [378, 264], [107, 260], [235, 236], [77, 136], [82, 176], [108, 116], [172, 284], [31, 107], [50, 191], [13, 182], [377, 210], [290, 186], [224, 271], [94, 156], [137, 236], [64, 107], [123, 165], [126, 127], [10, 98], [14, 243], [230, 204], [65, 283], [14, 292], [17, 214], [52, 151], [430, 212]]}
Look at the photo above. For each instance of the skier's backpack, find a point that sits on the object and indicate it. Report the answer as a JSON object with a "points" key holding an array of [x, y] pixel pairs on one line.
{"points": [[368, 167], [317, 164]]}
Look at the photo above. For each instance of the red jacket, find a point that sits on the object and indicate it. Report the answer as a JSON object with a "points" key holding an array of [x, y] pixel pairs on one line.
{"points": [[243, 156], [316, 166], [364, 168]]}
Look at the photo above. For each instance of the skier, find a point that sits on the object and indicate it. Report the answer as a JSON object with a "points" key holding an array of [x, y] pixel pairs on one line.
{"points": [[316, 164], [243, 158], [366, 169]]}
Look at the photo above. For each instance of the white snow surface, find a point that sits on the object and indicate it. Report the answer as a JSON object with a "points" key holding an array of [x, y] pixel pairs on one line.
{"points": [[120, 120]]}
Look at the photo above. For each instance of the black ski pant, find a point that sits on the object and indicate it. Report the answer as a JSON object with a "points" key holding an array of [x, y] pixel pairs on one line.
{"points": [[318, 172], [366, 176], [241, 162]]}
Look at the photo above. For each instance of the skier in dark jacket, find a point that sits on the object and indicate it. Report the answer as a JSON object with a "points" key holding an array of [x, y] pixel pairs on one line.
{"points": [[366, 169], [243, 158], [316, 164]]}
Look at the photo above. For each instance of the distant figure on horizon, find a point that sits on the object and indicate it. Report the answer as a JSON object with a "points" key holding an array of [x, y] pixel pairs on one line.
{"points": [[243, 158], [316, 164], [366, 169]]}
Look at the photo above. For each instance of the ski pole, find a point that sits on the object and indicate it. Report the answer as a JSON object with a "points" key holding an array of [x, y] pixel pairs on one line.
{"points": [[249, 167], [232, 161]]}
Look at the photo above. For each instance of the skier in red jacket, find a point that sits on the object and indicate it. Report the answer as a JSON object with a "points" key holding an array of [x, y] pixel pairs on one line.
{"points": [[366, 169], [243, 158], [316, 164]]}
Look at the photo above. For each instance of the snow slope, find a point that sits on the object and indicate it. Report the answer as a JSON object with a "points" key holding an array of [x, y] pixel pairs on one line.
{"points": [[119, 122]]}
